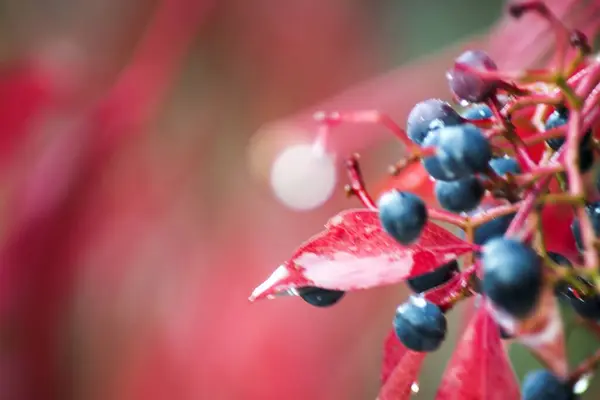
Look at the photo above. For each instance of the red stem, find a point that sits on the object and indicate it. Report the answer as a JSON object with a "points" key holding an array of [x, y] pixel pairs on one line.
{"points": [[357, 184], [561, 33], [576, 187], [445, 216]]}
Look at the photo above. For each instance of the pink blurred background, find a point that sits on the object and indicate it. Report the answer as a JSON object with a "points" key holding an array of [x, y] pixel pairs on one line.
{"points": [[137, 211]]}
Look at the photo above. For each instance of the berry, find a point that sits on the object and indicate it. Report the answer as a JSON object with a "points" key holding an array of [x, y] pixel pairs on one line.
{"points": [[432, 164], [429, 115], [503, 334], [586, 306], [403, 215], [586, 159], [593, 211], [420, 325], [320, 297], [504, 165], [463, 150], [478, 112], [512, 276], [467, 85], [437, 277], [492, 229], [543, 385], [461, 195], [586, 154]]}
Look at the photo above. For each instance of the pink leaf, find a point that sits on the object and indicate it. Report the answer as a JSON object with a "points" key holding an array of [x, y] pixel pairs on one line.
{"points": [[355, 253], [479, 368], [398, 385]]}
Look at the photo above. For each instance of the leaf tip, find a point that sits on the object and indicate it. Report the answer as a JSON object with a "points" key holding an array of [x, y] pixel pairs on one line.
{"points": [[279, 283]]}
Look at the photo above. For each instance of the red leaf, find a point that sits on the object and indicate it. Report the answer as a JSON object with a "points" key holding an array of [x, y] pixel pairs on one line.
{"points": [[479, 368], [393, 351], [355, 253], [398, 385], [439, 294], [542, 333]]}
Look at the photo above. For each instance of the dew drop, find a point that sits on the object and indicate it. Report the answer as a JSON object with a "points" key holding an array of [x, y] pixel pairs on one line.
{"points": [[415, 387], [582, 385]]}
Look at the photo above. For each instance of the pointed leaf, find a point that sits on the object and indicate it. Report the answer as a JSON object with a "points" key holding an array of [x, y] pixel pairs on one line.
{"points": [[479, 368], [400, 383], [354, 253]]}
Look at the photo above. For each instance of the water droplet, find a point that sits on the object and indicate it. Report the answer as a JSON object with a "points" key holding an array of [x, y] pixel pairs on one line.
{"points": [[414, 387], [582, 385], [301, 180]]}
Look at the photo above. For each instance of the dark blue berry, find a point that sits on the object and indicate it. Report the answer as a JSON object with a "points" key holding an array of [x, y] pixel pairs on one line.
{"points": [[403, 215], [435, 278], [492, 229], [586, 154], [505, 165], [543, 385], [559, 259], [467, 85], [463, 150], [320, 297], [593, 211], [512, 276], [420, 325], [478, 112], [586, 159], [430, 115], [586, 306], [503, 334], [557, 118], [462, 195], [432, 164]]}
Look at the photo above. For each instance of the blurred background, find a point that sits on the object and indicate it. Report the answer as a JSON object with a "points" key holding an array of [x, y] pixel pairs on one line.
{"points": [[137, 212]]}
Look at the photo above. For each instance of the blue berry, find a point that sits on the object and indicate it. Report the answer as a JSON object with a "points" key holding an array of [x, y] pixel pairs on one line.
{"points": [[586, 159], [429, 115], [435, 278], [543, 385], [593, 211], [403, 215], [320, 297], [559, 259], [512, 276], [503, 334], [492, 229], [467, 85], [558, 118], [586, 154], [505, 165], [478, 112], [463, 150], [432, 164], [462, 195], [420, 325], [586, 306]]}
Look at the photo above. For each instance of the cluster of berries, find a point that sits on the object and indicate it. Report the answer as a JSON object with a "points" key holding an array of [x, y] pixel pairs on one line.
{"points": [[493, 189]]}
